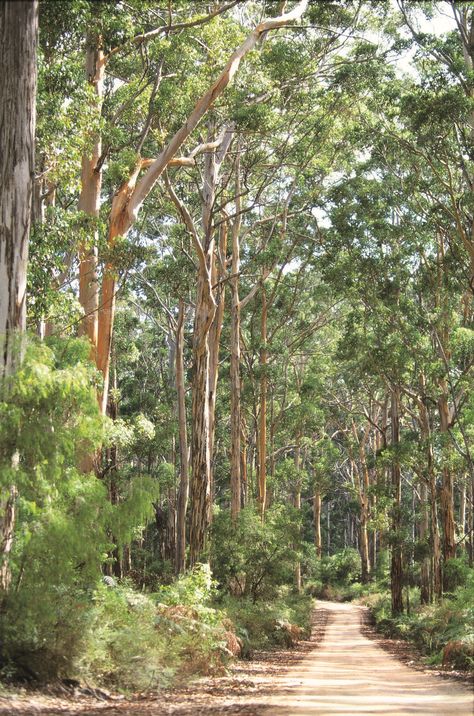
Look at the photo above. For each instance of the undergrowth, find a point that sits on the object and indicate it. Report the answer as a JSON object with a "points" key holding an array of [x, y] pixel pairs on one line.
{"points": [[116, 637], [278, 622], [443, 631]]}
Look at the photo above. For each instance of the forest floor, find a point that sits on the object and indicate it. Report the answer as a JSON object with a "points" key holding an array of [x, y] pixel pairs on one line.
{"points": [[339, 671]]}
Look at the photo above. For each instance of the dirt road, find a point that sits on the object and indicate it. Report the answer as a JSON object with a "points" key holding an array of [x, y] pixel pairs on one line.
{"points": [[349, 674], [346, 674]]}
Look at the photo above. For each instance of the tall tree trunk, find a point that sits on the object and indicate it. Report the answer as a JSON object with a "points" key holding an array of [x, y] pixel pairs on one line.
{"points": [[435, 588], [262, 432], [215, 331], [317, 523], [18, 38], [237, 460], [130, 197], [207, 328], [183, 493], [200, 443], [364, 515], [89, 201], [462, 516], [18, 43], [362, 484], [236, 416], [470, 523], [244, 461], [396, 569], [425, 595], [297, 504], [447, 487]]}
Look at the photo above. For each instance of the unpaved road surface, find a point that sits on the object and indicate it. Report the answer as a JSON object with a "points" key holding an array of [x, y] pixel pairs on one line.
{"points": [[344, 673], [349, 674]]}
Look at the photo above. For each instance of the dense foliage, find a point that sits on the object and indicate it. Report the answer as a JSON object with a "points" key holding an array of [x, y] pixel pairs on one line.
{"points": [[254, 384]]}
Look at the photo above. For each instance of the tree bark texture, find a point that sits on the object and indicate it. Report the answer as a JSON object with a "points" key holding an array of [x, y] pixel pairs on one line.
{"points": [[262, 431], [18, 43], [183, 493], [363, 484], [237, 460], [18, 38], [200, 443], [425, 592], [396, 568], [207, 329], [318, 545], [447, 486], [89, 201], [297, 504], [435, 584], [215, 332]]}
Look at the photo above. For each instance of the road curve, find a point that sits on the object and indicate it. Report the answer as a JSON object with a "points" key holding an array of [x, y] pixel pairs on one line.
{"points": [[347, 673]]}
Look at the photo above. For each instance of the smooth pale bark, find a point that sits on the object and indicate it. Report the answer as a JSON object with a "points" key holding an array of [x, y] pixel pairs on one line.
{"points": [[18, 43], [297, 504], [396, 566], [262, 430], [89, 200], [237, 460], [318, 544], [235, 382], [244, 461], [470, 523], [44, 195], [373, 506], [129, 198], [462, 515], [183, 493], [363, 485], [215, 331]]}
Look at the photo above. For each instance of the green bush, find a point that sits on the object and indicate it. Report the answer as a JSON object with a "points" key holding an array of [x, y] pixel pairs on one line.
{"points": [[138, 641], [342, 568], [456, 573], [444, 630], [252, 559], [122, 646], [263, 624]]}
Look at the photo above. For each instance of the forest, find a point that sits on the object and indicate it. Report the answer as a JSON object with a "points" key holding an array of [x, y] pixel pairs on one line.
{"points": [[236, 331]]}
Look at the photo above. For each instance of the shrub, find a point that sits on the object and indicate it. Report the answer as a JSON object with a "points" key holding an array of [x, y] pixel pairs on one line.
{"points": [[251, 558], [456, 573], [444, 631], [341, 568], [138, 641], [267, 624]]}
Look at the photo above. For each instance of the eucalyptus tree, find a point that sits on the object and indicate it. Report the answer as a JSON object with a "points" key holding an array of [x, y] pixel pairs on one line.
{"points": [[134, 189], [18, 33]]}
